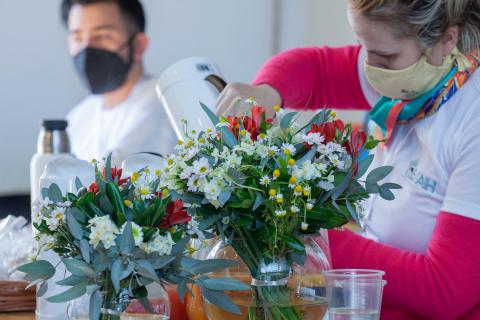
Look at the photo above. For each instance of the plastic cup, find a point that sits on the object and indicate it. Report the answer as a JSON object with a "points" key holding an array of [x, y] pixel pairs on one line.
{"points": [[354, 294]]}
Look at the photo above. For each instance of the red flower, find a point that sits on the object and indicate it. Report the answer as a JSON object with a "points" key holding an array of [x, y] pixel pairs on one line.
{"points": [[176, 214], [116, 174], [251, 124], [328, 129], [356, 142]]}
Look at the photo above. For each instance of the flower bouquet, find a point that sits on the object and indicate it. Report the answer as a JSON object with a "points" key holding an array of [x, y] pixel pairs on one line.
{"points": [[116, 238], [262, 185]]}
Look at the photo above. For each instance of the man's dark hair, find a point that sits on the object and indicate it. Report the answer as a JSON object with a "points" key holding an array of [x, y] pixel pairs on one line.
{"points": [[131, 10]]}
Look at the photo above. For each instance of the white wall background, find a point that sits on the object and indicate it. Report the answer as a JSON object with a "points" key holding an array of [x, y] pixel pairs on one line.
{"points": [[37, 80]]}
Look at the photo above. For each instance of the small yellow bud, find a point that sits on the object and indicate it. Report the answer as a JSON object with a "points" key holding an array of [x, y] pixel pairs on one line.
{"points": [[291, 162], [243, 132], [298, 189], [201, 140], [173, 230], [165, 192], [293, 180], [306, 192], [170, 162], [180, 142], [277, 108], [276, 173], [147, 170], [128, 203], [157, 172], [135, 176], [279, 200], [333, 114], [272, 192], [189, 143], [262, 136], [286, 152]]}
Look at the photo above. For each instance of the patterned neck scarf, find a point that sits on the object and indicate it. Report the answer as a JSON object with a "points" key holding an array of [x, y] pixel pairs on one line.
{"points": [[387, 113]]}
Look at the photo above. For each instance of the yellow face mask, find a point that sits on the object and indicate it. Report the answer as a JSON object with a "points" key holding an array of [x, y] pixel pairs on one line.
{"points": [[409, 83]]}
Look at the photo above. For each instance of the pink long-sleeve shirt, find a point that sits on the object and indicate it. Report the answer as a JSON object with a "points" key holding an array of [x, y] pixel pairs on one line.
{"points": [[444, 281]]}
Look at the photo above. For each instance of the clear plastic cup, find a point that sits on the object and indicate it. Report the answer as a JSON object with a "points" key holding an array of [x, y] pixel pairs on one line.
{"points": [[354, 294]]}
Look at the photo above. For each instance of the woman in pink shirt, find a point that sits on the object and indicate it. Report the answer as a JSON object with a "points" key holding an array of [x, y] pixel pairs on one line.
{"points": [[416, 72]]}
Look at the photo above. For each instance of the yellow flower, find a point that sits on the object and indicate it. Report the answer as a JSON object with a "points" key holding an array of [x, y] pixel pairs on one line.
{"points": [[243, 132], [189, 144], [135, 176], [306, 192], [180, 142], [201, 140], [293, 180], [298, 189], [128, 203], [157, 172], [333, 114], [262, 136], [276, 173], [277, 108], [173, 230], [147, 171], [291, 162], [170, 162], [286, 152], [165, 192], [272, 192]]}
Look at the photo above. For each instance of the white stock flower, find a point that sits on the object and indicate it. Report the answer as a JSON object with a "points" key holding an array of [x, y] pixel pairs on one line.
{"points": [[160, 244], [212, 190], [102, 230]]}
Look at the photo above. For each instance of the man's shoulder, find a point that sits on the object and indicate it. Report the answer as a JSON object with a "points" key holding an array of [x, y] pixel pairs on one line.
{"points": [[85, 107]]}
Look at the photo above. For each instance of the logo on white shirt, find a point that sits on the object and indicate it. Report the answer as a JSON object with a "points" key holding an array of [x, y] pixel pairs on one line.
{"points": [[416, 177]]}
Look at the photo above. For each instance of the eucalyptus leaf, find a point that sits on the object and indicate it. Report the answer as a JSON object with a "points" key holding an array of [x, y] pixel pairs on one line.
{"points": [[220, 300], [74, 226], [210, 114], [337, 192], [38, 269], [125, 240], [54, 193], [74, 292], [258, 201], [78, 214], [42, 289], [79, 268], [78, 184], [363, 165], [223, 284], [386, 194], [391, 186], [117, 268], [287, 120], [307, 157], [145, 268], [211, 265], [108, 168], [224, 196], [378, 174], [72, 280], [85, 250], [96, 300], [228, 137]]}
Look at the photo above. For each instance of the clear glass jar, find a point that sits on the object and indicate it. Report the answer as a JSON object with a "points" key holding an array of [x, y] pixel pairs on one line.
{"points": [[279, 290]]}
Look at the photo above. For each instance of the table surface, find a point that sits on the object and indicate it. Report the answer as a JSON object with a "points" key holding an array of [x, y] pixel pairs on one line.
{"points": [[17, 316]]}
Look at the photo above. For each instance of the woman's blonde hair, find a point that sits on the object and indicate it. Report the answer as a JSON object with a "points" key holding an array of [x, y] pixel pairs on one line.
{"points": [[427, 20]]}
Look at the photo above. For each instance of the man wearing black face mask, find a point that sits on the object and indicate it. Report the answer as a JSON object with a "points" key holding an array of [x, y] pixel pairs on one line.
{"points": [[107, 41]]}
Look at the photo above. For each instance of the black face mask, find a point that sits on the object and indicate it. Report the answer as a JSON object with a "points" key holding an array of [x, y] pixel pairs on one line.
{"points": [[102, 70]]}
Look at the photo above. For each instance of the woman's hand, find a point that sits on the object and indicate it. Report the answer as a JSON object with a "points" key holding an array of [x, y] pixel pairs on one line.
{"points": [[231, 101]]}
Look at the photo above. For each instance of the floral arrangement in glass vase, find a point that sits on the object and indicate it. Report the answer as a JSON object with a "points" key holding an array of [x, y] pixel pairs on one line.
{"points": [[116, 238], [262, 185]]}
